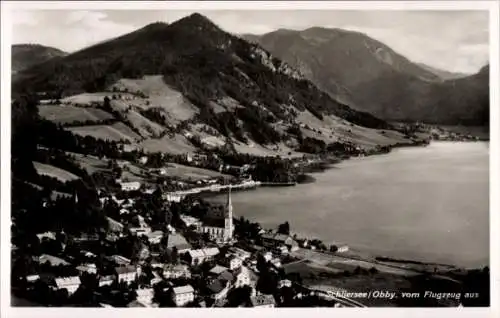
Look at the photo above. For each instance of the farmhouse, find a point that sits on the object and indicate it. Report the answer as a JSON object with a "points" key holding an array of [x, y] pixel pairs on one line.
{"points": [[263, 301], [126, 274], [202, 255], [130, 186], [274, 240], [71, 284], [183, 295]]}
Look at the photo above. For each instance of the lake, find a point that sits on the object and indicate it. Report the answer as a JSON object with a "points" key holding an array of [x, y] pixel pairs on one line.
{"points": [[422, 203]]}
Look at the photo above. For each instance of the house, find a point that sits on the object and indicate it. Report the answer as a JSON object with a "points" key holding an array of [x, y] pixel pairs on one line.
{"points": [[284, 283], [217, 270], [274, 240], [155, 237], [32, 278], [245, 277], [71, 283], [87, 268], [276, 262], [140, 231], [114, 226], [283, 250], [192, 221], [268, 256], [52, 260], [127, 274], [240, 253], [46, 235], [262, 301], [173, 197], [130, 186], [219, 288], [178, 241], [143, 160], [106, 280], [233, 262], [145, 296], [202, 255], [176, 271], [119, 260], [343, 249], [182, 295]]}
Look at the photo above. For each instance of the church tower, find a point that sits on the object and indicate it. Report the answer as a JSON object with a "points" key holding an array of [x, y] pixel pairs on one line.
{"points": [[228, 220]]}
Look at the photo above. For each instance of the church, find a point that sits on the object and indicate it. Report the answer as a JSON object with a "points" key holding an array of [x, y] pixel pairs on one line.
{"points": [[221, 229]]}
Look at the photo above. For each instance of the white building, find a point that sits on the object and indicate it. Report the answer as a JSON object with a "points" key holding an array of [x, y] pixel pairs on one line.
{"points": [[343, 249], [127, 274], [240, 253], [233, 262], [284, 283], [106, 280], [183, 295], [155, 237], [222, 231], [189, 220], [176, 271], [130, 186], [87, 268], [202, 255], [263, 301], [145, 296], [71, 284]]}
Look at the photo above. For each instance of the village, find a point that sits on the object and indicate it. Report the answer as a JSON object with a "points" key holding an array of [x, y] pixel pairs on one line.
{"points": [[165, 249]]}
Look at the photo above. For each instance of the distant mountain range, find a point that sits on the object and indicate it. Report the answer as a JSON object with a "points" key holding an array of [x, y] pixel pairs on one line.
{"points": [[370, 76], [235, 88], [26, 55]]}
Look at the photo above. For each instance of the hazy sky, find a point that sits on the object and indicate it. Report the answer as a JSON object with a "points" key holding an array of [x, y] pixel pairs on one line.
{"points": [[451, 40]]}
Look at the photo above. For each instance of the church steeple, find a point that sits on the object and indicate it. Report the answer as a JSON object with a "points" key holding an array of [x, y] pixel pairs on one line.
{"points": [[228, 221], [229, 203]]}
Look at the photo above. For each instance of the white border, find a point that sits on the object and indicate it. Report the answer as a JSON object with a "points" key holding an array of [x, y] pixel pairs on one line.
{"points": [[492, 6]]}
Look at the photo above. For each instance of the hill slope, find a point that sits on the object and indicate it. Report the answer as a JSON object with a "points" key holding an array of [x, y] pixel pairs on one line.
{"points": [[27, 55], [232, 88], [372, 77]]}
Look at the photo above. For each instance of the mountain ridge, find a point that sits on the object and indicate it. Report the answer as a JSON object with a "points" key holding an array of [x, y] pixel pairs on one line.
{"points": [[29, 54], [375, 78], [237, 89]]}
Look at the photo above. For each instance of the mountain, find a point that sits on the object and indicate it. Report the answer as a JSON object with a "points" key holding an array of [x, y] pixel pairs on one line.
{"points": [[444, 75], [370, 76], [26, 55], [192, 78]]}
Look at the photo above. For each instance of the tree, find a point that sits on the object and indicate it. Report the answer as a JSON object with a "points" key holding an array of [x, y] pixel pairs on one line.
{"points": [[334, 248], [284, 228]]}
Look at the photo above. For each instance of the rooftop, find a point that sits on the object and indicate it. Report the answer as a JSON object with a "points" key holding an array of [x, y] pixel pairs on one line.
{"points": [[178, 241], [125, 269], [262, 300], [183, 289], [217, 269]]}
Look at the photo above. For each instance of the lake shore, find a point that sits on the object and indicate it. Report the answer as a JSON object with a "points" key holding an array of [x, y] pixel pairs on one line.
{"points": [[367, 253]]}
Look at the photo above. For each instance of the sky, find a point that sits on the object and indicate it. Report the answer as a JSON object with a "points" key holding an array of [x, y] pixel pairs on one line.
{"points": [[455, 41]]}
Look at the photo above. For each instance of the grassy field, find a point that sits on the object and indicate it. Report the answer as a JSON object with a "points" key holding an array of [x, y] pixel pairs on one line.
{"points": [[159, 94], [176, 145], [68, 114], [116, 132], [86, 98], [334, 129], [193, 173], [90, 163], [51, 171]]}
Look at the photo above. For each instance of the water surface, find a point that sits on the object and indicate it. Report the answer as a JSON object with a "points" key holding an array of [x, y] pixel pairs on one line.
{"points": [[424, 203]]}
